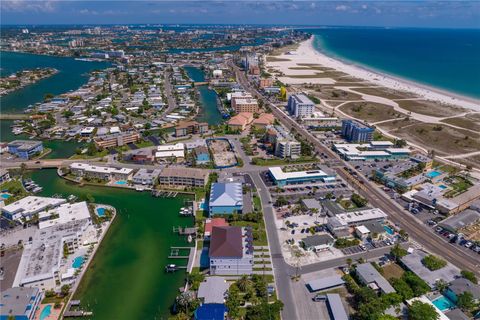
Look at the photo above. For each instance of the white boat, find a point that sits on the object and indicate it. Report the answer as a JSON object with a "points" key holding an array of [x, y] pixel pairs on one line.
{"points": [[189, 238]]}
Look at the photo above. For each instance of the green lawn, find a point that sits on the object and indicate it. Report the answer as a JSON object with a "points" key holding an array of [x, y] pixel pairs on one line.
{"points": [[14, 187], [144, 144], [100, 154], [258, 230], [257, 203]]}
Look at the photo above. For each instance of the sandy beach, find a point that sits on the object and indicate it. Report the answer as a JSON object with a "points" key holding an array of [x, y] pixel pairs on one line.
{"points": [[306, 54]]}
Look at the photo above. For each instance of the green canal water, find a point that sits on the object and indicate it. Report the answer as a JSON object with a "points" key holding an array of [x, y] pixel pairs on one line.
{"points": [[126, 279], [208, 98]]}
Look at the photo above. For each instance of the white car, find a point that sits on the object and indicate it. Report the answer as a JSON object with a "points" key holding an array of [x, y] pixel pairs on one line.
{"points": [[468, 244]]}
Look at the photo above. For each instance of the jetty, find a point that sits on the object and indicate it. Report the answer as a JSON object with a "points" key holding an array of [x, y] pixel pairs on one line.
{"points": [[164, 194], [75, 313], [174, 254]]}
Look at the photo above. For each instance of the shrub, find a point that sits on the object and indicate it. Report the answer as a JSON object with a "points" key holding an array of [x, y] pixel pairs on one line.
{"points": [[433, 263]]}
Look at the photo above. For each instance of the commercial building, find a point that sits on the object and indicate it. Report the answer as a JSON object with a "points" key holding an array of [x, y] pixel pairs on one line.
{"points": [[226, 198], [185, 177], [25, 149], [300, 106], [63, 214], [370, 151], [98, 172], [370, 277], [28, 206], [355, 218], [171, 150], [20, 303], [324, 283], [354, 131], [185, 128], [318, 242], [117, 139], [282, 178], [231, 251], [146, 177]]}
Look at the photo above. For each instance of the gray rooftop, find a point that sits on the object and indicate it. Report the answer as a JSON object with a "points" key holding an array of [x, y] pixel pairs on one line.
{"points": [[312, 204], [463, 219], [213, 290], [325, 283], [413, 262], [456, 314], [371, 275], [317, 240], [336, 308], [226, 194], [16, 301], [460, 285]]}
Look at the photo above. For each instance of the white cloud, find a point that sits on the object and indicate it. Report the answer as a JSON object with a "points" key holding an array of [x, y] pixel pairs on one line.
{"points": [[341, 7], [25, 5]]}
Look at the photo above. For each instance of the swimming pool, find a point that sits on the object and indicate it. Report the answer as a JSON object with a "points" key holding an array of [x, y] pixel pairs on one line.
{"points": [[388, 230], [100, 212], [443, 303], [433, 174], [5, 195], [77, 262], [442, 186], [47, 310], [121, 182]]}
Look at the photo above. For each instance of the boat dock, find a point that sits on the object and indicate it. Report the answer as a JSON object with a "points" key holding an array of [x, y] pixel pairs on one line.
{"points": [[164, 194], [174, 254], [75, 313], [185, 231]]}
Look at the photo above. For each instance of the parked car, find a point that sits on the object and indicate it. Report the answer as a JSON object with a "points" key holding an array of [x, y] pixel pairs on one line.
{"points": [[438, 229], [468, 244], [319, 297]]}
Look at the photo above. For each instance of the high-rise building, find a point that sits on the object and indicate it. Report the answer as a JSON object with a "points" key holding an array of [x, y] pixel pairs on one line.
{"points": [[300, 106], [354, 131]]}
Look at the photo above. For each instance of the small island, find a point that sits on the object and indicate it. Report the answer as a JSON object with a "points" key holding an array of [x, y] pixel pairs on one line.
{"points": [[24, 78]]}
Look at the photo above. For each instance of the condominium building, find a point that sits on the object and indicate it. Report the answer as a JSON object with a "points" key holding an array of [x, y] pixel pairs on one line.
{"points": [[25, 149], [146, 176], [185, 128], [240, 121], [231, 251], [99, 172], [285, 145], [171, 150], [300, 106], [186, 177], [116, 140], [28, 206], [20, 303], [354, 131], [245, 105]]}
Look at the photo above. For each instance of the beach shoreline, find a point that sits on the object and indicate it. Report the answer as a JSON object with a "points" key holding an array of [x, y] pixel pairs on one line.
{"points": [[307, 52]]}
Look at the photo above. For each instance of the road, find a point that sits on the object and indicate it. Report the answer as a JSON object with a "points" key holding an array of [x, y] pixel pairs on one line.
{"points": [[417, 231], [172, 103]]}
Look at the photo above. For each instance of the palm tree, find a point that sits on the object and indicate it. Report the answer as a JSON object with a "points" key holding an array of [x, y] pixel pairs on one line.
{"points": [[244, 283], [183, 300]]}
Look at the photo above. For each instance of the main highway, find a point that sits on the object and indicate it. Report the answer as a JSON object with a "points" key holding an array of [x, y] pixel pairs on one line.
{"points": [[398, 215]]}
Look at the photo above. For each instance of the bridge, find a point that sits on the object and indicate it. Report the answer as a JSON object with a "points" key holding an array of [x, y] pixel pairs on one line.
{"points": [[204, 83]]}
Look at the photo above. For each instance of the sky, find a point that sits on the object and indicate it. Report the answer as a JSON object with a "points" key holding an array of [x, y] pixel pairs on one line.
{"points": [[433, 14]]}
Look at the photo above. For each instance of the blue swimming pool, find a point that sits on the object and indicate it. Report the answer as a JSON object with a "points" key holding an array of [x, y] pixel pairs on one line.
{"points": [[443, 303], [433, 174], [77, 262], [121, 182], [389, 230], [5, 195], [47, 310], [442, 186], [101, 212]]}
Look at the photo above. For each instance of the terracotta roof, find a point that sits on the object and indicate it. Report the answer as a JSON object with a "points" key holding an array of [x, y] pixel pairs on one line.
{"points": [[215, 222], [264, 118], [226, 242]]}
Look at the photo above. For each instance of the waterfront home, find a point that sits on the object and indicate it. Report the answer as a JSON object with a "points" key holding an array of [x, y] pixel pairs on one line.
{"points": [[370, 277], [231, 251], [225, 198], [213, 222], [26, 207], [175, 176], [146, 176], [461, 285], [213, 290], [25, 149], [318, 242], [99, 172], [202, 156], [210, 311], [20, 303]]}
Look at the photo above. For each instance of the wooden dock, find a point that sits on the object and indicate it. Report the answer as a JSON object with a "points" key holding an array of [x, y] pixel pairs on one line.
{"points": [[191, 256]]}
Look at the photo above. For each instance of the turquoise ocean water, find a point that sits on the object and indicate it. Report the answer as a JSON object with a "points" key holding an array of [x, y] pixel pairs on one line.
{"points": [[447, 59]]}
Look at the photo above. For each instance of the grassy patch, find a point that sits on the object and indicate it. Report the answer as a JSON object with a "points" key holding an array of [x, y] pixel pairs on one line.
{"points": [[471, 122], [330, 93], [371, 111], [430, 108], [275, 59], [144, 144], [259, 233], [99, 154], [392, 270], [15, 188], [385, 93]]}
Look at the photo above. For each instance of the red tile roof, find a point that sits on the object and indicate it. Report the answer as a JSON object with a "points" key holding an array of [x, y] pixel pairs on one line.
{"points": [[215, 222]]}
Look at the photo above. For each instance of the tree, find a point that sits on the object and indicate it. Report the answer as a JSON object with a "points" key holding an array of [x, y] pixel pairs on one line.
{"points": [[359, 200], [184, 301], [233, 302], [422, 311], [244, 283], [91, 149], [264, 311], [65, 289], [465, 301], [398, 252], [469, 275], [48, 96], [433, 263], [441, 285], [418, 285], [387, 317], [402, 288]]}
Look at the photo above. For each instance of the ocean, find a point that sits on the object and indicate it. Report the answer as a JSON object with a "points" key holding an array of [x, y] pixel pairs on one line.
{"points": [[447, 59]]}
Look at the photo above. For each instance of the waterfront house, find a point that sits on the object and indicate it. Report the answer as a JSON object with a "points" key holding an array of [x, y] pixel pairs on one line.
{"points": [[25, 149], [226, 198], [231, 251], [213, 222], [146, 177], [184, 128], [240, 121], [98, 172]]}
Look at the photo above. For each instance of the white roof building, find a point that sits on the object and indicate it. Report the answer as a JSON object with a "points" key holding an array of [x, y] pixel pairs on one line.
{"points": [[173, 150], [355, 217], [29, 206], [64, 213]]}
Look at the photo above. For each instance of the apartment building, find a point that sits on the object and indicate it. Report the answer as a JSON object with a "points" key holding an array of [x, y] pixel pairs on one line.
{"points": [[117, 139], [185, 177], [185, 128], [300, 106]]}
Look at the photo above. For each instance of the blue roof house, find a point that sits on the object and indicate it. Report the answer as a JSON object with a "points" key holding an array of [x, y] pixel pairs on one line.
{"points": [[226, 198], [210, 311]]}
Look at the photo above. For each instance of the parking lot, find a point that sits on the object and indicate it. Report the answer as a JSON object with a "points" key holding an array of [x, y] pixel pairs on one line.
{"points": [[468, 247], [366, 247]]}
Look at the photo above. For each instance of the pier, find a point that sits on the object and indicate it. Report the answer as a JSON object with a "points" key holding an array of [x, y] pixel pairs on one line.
{"points": [[75, 313], [174, 254], [164, 194]]}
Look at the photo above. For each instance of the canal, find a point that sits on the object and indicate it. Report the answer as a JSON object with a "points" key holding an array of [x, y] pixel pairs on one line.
{"points": [[126, 279], [208, 98]]}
